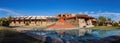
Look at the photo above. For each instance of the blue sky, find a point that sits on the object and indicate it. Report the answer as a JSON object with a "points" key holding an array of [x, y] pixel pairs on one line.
{"points": [[108, 8]]}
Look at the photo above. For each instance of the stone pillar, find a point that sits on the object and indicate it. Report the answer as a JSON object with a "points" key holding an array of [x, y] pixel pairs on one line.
{"points": [[82, 23], [89, 22], [22, 23], [32, 23], [17, 23], [12, 24], [38, 23]]}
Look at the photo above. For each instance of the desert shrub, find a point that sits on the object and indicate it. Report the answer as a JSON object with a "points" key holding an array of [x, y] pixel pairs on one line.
{"points": [[115, 24], [4, 22], [26, 23], [100, 24]]}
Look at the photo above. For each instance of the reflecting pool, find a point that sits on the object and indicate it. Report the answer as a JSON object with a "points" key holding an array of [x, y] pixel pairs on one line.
{"points": [[74, 34]]}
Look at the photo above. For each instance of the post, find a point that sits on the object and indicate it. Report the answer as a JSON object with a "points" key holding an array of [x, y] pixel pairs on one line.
{"points": [[77, 21], [41, 21], [46, 21]]}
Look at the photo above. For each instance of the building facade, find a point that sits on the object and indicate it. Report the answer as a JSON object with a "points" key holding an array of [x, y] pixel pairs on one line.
{"points": [[78, 20], [32, 20]]}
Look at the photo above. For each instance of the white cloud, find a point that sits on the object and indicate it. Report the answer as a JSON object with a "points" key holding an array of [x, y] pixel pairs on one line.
{"points": [[86, 12], [9, 12], [113, 15], [80, 12], [92, 12]]}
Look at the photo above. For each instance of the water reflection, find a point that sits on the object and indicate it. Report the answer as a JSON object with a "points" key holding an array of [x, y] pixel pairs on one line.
{"points": [[74, 34], [105, 33]]}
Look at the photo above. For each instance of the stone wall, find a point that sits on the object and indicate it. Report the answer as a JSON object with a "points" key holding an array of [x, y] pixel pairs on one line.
{"points": [[89, 22], [72, 21], [82, 22]]}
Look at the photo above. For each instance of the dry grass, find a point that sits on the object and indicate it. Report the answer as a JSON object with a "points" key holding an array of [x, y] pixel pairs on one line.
{"points": [[105, 27]]}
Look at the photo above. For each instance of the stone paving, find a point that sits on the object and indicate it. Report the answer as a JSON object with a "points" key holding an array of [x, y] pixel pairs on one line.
{"points": [[62, 26]]}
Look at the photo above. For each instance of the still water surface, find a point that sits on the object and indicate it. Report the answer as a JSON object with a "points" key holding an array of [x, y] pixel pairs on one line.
{"points": [[74, 34]]}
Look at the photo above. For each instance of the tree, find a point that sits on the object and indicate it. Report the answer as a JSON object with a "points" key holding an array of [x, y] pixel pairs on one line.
{"points": [[4, 22], [115, 24], [9, 19], [109, 19], [102, 20], [119, 22]]}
